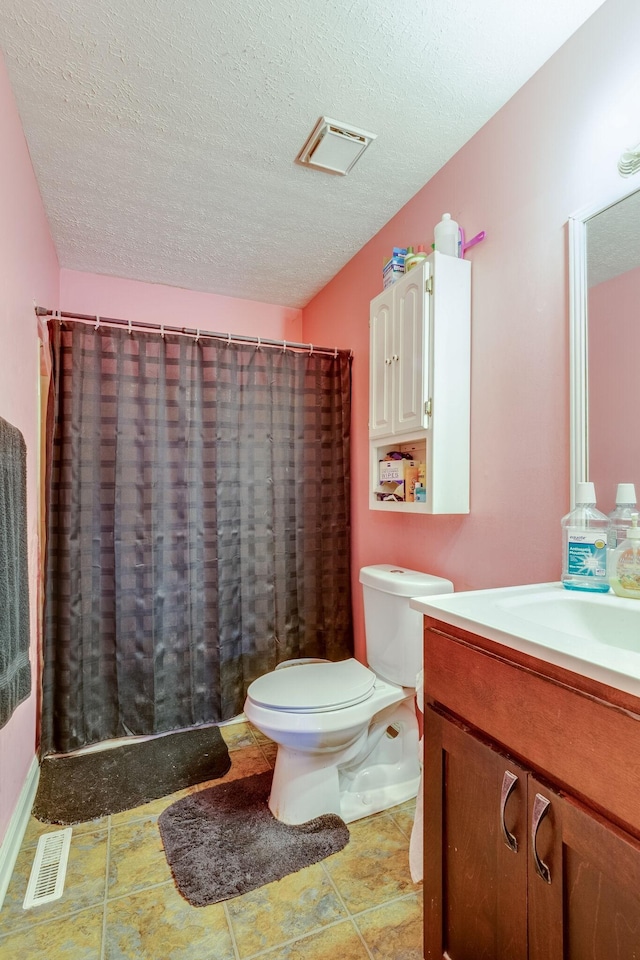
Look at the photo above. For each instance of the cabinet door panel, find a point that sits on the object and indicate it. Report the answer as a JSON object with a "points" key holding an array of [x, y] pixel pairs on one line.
{"points": [[591, 908], [381, 372], [545, 895], [409, 356], [476, 909]]}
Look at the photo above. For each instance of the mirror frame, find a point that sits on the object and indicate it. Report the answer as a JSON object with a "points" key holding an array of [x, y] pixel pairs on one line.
{"points": [[579, 332]]}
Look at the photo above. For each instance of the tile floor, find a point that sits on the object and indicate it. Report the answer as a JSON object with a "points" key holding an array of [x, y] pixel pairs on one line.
{"points": [[120, 902]]}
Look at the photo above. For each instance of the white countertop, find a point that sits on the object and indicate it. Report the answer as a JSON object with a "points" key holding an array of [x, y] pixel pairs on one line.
{"points": [[595, 635]]}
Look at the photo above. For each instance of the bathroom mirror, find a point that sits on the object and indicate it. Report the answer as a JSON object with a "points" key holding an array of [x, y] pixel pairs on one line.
{"points": [[604, 273]]}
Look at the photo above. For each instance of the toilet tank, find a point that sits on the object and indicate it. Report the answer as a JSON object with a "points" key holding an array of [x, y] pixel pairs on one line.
{"points": [[393, 630]]}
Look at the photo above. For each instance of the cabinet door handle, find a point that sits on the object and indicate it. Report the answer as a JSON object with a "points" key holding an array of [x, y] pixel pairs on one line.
{"points": [[508, 783], [540, 809]]}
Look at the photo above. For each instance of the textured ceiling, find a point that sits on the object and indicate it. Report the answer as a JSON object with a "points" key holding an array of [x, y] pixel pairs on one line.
{"points": [[163, 134], [613, 240]]}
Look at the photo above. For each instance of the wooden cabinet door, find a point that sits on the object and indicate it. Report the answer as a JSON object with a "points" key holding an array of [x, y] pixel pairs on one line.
{"points": [[586, 904], [475, 886]]}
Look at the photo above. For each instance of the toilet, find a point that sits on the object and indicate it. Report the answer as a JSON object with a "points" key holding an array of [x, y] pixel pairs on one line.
{"points": [[347, 734]]}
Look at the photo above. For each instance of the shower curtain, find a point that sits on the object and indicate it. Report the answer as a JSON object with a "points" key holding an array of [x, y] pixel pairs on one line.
{"points": [[198, 527]]}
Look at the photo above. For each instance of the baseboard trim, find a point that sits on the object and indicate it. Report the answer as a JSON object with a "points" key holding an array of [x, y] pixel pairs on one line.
{"points": [[17, 825]]}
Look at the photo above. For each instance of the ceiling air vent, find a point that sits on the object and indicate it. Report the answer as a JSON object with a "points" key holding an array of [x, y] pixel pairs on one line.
{"points": [[333, 146]]}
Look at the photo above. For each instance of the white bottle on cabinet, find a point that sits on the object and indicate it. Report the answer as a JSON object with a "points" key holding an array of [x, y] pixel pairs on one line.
{"points": [[446, 236]]}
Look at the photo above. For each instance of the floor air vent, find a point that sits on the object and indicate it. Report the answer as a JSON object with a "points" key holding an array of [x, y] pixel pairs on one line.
{"points": [[49, 869]]}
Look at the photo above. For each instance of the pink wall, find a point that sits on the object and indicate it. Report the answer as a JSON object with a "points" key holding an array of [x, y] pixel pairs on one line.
{"points": [[550, 151], [28, 273], [614, 360], [90, 293]]}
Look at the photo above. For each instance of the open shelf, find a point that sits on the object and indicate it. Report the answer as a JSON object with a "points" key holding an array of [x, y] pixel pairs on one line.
{"points": [[417, 448]]}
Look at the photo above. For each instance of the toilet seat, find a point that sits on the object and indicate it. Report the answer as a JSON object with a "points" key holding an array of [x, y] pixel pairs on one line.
{"points": [[314, 687]]}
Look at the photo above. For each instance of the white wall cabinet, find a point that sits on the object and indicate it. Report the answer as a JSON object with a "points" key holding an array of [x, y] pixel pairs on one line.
{"points": [[420, 381]]}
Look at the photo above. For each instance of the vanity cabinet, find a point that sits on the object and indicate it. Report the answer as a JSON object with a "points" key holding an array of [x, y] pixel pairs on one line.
{"points": [[526, 857], [419, 391]]}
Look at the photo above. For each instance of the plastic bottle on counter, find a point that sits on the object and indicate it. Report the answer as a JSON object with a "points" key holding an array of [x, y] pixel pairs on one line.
{"points": [[446, 236], [620, 518], [625, 563], [584, 544], [416, 257]]}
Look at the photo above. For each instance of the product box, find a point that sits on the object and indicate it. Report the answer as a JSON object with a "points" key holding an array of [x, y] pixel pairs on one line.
{"points": [[403, 473], [393, 470], [394, 267], [391, 276]]}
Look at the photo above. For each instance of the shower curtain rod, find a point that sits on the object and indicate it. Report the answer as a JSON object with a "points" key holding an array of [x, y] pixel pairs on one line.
{"points": [[189, 331]]}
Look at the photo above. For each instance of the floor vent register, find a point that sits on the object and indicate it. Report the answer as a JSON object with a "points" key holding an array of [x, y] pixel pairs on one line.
{"points": [[46, 882]]}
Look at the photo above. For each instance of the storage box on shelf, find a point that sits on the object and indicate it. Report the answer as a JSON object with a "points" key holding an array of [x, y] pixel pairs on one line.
{"points": [[395, 480], [420, 382], [394, 267]]}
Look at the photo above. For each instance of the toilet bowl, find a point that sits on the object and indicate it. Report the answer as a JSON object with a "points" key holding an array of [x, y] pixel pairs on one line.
{"points": [[347, 734]]}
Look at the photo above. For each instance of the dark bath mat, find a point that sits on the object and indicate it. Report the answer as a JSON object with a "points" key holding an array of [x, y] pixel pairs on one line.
{"points": [[223, 841], [84, 786]]}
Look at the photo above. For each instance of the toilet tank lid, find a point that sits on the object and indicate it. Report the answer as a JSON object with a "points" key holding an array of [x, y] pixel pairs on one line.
{"points": [[390, 578]]}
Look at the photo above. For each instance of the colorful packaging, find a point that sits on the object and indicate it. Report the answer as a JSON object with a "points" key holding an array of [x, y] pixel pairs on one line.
{"points": [[394, 267], [402, 473]]}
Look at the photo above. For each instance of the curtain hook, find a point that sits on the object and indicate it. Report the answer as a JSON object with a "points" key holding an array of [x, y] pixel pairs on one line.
{"points": [[97, 321], [228, 339], [162, 330], [310, 349], [197, 334], [258, 344], [350, 354], [130, 327], [335, 353], [284, 346]]}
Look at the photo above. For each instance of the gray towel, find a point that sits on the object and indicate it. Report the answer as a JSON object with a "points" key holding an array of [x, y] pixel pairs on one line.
{"points": [[15, 670]]}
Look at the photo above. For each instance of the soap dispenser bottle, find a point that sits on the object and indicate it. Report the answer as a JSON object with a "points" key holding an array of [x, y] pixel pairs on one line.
{"points": [[625, 563], [620, 518], [584, 544]]}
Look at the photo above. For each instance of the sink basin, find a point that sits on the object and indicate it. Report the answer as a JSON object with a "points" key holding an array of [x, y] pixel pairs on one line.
{"points": [[582, 616], [597, 635]]}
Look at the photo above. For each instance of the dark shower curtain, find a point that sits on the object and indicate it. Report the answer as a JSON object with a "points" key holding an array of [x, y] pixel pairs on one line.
{"points": [[198, 527]]}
